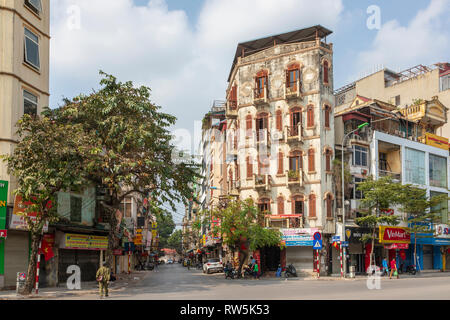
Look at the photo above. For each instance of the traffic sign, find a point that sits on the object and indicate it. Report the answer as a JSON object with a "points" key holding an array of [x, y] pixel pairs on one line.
{"points": [[317, 236], [344, 243], [336, 238], [3, 234], [317, 245]]}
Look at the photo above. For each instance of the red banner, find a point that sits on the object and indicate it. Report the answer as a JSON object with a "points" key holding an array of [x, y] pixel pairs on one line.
{"points": [[396, 246], [47, 246], [3, 234]]}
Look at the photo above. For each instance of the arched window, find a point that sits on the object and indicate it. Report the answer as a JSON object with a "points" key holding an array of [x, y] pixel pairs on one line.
{"points": [[312, 205], [261, 84], [325, 72], [249, 167], [292, 76], [279, 120], [295, 161], [328, 154], [329, 205], [311, 162], [327, 116], [280, 204], [280, 163], [297, 205], [310, 116]]}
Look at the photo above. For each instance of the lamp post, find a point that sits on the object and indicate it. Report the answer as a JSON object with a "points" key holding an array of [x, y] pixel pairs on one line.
{"points": [[343, 193]]}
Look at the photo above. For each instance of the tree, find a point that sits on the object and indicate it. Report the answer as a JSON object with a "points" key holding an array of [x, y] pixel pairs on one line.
{"points": [[378, 195], [175, 239], [420, 210], [166, 225], [49, 158], [137, 156], [241, 228]]}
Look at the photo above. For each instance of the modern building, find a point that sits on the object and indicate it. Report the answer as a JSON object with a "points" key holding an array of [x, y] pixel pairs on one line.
{"points": [[24, 88], [401, 143], [280, 137]]}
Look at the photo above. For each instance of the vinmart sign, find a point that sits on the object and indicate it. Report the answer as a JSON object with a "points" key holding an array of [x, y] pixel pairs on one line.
{"points": [[394, 235]]}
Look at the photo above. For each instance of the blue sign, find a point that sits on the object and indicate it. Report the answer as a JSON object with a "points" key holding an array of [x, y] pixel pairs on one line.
{"points": [[344, 243], [336, 238], [300, 243], [317, 245]]}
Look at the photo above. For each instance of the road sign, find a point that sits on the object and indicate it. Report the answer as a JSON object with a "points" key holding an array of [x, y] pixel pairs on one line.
{"points": [[336, 238], [3, 234], [317, 236], [317, 245], [344, 243]]}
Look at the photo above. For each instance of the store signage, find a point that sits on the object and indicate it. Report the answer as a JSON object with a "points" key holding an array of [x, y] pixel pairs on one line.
{"points": [[298, 236], [3, 234], [3, 203], [85, 242], [396, 246], [344, 243], [283, 216], [436, 141], [336, 238], [18, 221], [394, 235], [442, 231], [118, 252]]}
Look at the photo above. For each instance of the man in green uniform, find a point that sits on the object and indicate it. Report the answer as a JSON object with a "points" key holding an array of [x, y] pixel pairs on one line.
{"points": [[103, 276]]}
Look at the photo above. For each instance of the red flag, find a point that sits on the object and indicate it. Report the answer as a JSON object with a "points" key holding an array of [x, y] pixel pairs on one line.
{"points": [[336, 245], [46, 247]]}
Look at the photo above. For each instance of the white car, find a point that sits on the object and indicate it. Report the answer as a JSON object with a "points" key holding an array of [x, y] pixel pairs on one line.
{"points": [[212, 265], [170, 261]]}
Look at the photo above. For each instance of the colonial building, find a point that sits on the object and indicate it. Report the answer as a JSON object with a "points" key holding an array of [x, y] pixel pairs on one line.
{"points": [[280, 138], [24, 88]]}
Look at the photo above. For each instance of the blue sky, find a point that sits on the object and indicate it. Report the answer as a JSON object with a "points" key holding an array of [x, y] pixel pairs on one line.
{"points": [[183, 49]]}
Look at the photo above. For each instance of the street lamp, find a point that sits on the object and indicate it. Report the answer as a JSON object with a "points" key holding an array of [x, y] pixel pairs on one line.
{"points": [[365, 124]]}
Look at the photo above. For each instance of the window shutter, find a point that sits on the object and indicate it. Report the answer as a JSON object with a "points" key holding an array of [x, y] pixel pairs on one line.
{"points": [[288, 78], [280, 203], [329, 215], [311, 166], [312, 206], [327, 116], [280, 163], [328, 160], [279, 120], [310, 116], [238, 173], [325, 72], [249, 168]]}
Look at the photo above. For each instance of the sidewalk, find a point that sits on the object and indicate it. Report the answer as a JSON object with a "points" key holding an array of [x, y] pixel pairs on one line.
{"points": [[123, 281]]}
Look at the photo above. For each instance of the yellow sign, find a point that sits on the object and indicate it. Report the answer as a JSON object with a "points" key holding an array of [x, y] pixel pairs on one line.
{"points": [[89, 242], [154, 225], [436, 141], [154, 232]]}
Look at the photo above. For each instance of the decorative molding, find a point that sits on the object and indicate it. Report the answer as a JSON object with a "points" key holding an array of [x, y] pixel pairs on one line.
{"points": [[25, 19], [2, 73]]}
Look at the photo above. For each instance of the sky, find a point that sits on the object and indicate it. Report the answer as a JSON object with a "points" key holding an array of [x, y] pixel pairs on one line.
{"points": [[183, 49]]}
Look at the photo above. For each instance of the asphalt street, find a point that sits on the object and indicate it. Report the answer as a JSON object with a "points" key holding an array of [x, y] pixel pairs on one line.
{"points": [[173, 282]]}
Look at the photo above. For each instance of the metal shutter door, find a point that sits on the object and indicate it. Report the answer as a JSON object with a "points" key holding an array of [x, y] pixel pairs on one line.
{"points": [[427, 257], [16, 256], [89, 262]]}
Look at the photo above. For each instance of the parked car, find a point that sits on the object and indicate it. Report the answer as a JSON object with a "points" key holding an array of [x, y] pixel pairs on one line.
{"points": [[212, 265], [170, 261]]}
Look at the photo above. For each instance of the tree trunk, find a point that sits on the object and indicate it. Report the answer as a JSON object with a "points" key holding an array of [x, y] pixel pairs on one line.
{"points": [[31, 274], [111, 238], [371, 249]]}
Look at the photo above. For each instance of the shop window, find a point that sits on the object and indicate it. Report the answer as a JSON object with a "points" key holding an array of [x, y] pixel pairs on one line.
{"points": [[438, 171], [359, 156], [75, 209]]}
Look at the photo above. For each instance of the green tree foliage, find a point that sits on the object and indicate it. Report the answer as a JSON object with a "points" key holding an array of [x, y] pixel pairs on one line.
{"points": [[378, 195], [420, 210], [242, 228], [166, 225], [137, 154], [174, 241], [49, 158]]}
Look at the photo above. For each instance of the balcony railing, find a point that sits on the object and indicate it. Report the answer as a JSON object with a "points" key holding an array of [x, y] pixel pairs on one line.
{"points": [[263, 136], [260, 95], [262, 181], [294, 178], [293, 89], [294, 133], [232, 109], [394, 175]]}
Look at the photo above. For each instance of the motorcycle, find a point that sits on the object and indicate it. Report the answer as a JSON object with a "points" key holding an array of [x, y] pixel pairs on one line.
{"points": [[290, 271], [230, 273], [199, 266], [411, 269]]}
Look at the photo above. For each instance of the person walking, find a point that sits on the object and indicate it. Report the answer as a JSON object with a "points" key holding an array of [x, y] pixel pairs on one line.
{"points": [[103, 277], [393, 269], [385, 267], [255, 271]]}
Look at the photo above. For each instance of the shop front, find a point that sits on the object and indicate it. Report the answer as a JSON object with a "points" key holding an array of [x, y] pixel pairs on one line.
{"points": [[299, 248], [83, 250], [358, 251], [396, 241]]}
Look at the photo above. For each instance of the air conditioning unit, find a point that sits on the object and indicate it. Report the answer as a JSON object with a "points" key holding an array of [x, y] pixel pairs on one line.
{"points": [[277, 135]]}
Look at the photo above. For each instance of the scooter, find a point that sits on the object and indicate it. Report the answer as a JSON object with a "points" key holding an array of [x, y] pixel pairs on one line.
{"points": [[290, 271], [230, 273], [199, 266], [411, 269]]}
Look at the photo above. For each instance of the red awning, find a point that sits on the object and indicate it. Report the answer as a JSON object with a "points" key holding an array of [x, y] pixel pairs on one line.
{"points": [[355, 116]]}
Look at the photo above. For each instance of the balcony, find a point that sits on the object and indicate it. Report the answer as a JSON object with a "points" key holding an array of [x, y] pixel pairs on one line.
{"points": [[232, 110], [292, 90], [261, 182], [294, 178], [294, 133], [233, 188], [263, 137], [260, 96], [396, 177]]}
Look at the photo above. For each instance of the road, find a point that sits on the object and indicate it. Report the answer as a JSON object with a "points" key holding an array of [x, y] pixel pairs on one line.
{"points": [[173, 282]]}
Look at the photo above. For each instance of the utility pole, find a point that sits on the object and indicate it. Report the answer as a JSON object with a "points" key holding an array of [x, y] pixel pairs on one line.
{"points": [[343, 272]]}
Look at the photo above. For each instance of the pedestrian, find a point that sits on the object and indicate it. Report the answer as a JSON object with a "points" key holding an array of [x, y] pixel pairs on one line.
{"points": [[255, 271], [189, 264], [279, 271], [385, 267], [394, 269], [103, 277]]}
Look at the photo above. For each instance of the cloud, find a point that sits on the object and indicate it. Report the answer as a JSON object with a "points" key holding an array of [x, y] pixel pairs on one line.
{"points": [[425, 40], [185, 64]]}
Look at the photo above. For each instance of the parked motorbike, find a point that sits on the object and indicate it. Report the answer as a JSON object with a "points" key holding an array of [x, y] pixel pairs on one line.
{"points": [[199, 266], [290, 271], [230, 273], [411, 269]]}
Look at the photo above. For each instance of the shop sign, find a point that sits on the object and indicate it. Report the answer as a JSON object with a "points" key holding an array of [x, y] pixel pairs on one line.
{"points": [[396, 246], [117, 252], [18, 216], [436, 141], [3, 204], [354, 235], [394, 235], [442, 231], [298, 237], [86, 242]]}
